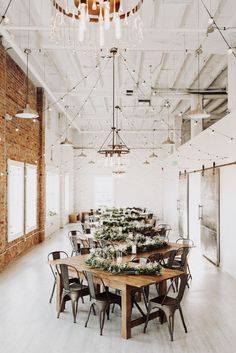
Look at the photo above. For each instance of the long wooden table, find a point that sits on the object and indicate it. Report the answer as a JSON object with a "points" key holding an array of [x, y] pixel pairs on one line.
{"points": [[125, 283]]}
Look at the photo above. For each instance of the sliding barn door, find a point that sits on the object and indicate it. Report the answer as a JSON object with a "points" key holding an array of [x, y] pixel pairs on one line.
{"points": [[182, 205], [209, 215]]}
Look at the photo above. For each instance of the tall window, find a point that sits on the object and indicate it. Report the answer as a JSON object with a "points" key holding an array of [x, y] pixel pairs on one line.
{"points": [[67, 193], [15, 199], [31, 197], [52, 193], [103, 191]]}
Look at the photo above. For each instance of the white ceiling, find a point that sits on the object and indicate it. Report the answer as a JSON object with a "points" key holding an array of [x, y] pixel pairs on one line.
{"points": [[162, 57]]}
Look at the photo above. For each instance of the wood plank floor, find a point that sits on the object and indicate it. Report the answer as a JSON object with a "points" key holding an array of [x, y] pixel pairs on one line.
{"points": [[28, 322]]}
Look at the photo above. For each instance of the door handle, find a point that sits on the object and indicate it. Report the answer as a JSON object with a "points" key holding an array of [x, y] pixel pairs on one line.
{"points": [[178, 206], [200, 207]]}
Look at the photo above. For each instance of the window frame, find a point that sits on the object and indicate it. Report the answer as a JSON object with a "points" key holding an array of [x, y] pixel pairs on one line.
{"points": [[35, 226], [20, 233]]}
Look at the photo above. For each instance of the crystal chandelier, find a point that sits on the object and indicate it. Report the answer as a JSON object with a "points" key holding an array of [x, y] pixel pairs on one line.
{"points": [[114, 146], [102, 12]]}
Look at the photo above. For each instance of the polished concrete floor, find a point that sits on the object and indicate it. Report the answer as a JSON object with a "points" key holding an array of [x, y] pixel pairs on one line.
{"points": [[29, 323]]}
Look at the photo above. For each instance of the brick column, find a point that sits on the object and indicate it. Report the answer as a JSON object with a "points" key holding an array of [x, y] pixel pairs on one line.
{"points": [[41, 164]]}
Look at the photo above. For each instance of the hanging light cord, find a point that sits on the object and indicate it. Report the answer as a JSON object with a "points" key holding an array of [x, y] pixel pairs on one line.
{"points": [[217, 27], [27, 75], [113, 101], [5, 12]]}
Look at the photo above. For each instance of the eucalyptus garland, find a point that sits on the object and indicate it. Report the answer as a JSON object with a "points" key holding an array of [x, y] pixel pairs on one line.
{"points": [[107, 233], [105, 263], [103, 258]]}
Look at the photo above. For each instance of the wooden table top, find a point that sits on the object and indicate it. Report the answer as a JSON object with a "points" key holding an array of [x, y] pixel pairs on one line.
{"points": [[131, 280]]}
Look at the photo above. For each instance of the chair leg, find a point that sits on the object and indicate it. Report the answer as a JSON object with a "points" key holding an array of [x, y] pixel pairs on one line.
{"points": [[61, 304], [102, 314], [90, 309], [148, 313], [74, 303], [190, 275], [182, 318], [108, 312], [53, 289], [171, 326]]}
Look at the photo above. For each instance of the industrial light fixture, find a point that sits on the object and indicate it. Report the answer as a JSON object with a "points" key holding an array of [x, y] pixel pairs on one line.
{"points": [[168, 141], [146, 162], [82, 154], [66, 142], [114, 146], [153, 155], [198, 113], [101, 12], [27, 112], [91, 162]]}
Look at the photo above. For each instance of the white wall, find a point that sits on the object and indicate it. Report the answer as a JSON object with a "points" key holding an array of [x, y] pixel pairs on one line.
{"points": [[170, 197], [227, 219], [61, 161], [141, 186]]}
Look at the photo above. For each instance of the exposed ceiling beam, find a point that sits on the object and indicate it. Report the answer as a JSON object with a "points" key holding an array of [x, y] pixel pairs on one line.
{"points": [[20, 54]]}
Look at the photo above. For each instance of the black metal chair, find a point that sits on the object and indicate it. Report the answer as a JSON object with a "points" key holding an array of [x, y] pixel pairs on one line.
{"points": [[189, 242], [74, 240], [168, 305], [102, 300], [72, 288], [55, 255], [181, 261], [163, 230]]}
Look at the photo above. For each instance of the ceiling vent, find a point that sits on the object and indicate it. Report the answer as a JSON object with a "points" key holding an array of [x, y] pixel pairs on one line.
{"points": [[144, 102], [129, 92]]}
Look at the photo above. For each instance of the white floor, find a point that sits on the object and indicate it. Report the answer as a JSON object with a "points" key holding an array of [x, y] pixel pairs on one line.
{"points": [[29, 323]]}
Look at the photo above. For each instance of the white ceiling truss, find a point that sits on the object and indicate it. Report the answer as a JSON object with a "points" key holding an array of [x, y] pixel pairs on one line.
{"points": [[160, 65]]}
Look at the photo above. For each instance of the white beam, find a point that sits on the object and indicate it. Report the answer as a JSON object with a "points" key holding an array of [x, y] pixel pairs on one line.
{"points": [[8, 38]]}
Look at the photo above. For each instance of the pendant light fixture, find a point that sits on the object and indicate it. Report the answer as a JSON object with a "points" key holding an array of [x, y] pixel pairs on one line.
{"points": [[66, 142], [198, 113], [113, 146], [153, 155], [82, 154], [27, 112], [168, 141]]}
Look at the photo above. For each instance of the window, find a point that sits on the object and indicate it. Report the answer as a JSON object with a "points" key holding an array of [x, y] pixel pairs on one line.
{"points": [[103, 191], [52, 193], [15, 199], [67, 193], [31, 197]]}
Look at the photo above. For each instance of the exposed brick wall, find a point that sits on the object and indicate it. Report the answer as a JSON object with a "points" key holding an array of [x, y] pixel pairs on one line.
{"points": [[25, 145]]}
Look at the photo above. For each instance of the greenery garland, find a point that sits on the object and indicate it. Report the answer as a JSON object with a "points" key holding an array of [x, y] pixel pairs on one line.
{"points": [[103, 258]]}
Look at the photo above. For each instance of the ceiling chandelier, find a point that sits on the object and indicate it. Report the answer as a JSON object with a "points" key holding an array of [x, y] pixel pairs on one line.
{"points": [[114, 146], [102, 12], [27, 112]]}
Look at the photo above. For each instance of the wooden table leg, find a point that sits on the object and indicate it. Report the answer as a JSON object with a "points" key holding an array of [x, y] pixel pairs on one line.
{"points": [[126, 308]]}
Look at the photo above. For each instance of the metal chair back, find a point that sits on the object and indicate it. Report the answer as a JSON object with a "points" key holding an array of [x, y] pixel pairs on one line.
{"points": [[55, 255]]}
